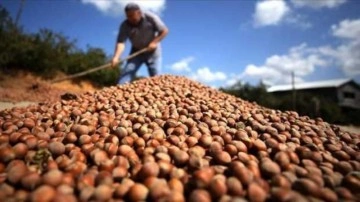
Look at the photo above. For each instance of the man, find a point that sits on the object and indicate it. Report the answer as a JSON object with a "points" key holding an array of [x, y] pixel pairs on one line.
{"points": [[145, 30]]}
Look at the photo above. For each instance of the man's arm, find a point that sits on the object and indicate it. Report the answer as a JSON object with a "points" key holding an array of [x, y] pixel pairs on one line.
{"points": [[120, 45], [161, 35], [161, 28], [158, 38], [119, 48]]}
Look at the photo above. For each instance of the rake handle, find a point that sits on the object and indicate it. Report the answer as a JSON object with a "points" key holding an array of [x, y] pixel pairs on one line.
{"points": [[99, 67]]}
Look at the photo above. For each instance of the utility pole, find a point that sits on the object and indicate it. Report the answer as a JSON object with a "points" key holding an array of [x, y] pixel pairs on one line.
{"points": [[293, 90], [316, 106], [18, 15]]}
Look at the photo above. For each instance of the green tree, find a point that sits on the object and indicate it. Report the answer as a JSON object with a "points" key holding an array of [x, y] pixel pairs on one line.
{"points": [[10, 34], [307, 104], [47, 53], [251, 93], [96, 57]]}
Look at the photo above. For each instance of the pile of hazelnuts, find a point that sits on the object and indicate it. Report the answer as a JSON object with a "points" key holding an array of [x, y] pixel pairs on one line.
{"points": [[168, 138]]}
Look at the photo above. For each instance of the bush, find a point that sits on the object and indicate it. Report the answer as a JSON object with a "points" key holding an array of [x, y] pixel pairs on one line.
{"points": [[93, 57], [307, 104], [256, 94], [46, 53]]}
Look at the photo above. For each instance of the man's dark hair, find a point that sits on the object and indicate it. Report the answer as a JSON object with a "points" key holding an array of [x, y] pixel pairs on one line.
{"points": [[132, 7]]}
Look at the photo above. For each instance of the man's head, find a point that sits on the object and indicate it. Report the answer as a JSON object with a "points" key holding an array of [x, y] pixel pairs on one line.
{"points": [[133, 13]]}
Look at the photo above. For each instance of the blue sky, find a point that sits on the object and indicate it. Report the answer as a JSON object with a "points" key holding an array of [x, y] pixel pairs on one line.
{"points": [[221, 42]]}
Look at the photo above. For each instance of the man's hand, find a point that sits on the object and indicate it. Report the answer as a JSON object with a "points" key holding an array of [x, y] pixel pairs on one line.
{"points": [[114, 62], [152, 46]]}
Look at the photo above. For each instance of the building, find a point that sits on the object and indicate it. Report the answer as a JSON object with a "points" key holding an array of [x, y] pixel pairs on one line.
{"points": [[345, 92]]}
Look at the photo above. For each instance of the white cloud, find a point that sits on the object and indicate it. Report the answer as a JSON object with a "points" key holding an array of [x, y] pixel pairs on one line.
{"points": [[101, 5], [275, 12], [298, 20], [232, 79], [346, 55], [316, 4], [206, 75], [116, 7], [347, 29], [267, 74], [231, 82], [182, 65], [302, 60], [270, 12]]}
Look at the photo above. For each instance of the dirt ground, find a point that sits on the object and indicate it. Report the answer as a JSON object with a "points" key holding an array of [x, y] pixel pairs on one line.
{"points": [[19, 89], [25, 87], [352, 129], [9, 105]]}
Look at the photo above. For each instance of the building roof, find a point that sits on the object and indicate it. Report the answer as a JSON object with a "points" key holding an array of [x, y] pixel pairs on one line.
{"points": [[309, 85]]}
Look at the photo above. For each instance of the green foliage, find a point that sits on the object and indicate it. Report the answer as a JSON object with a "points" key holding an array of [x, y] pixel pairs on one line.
{"points": [[307, 104], [256, 94], [331, 112], [46, 53], [9, 34], [352, 116], [96, 57], [93, 57]]}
